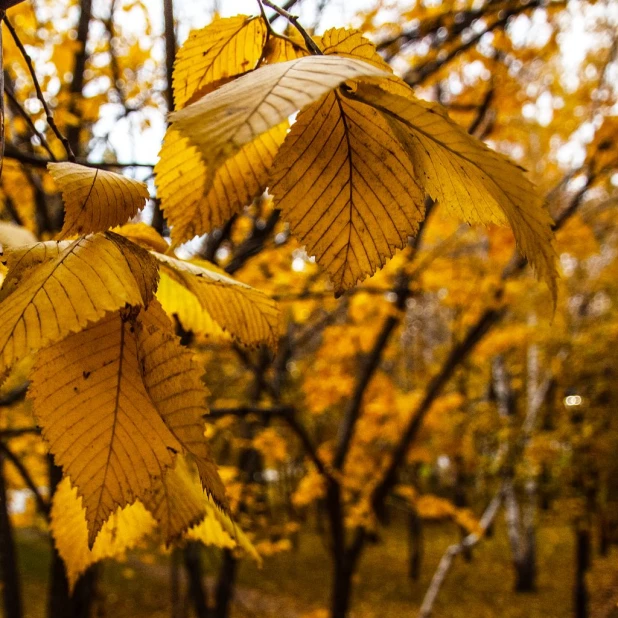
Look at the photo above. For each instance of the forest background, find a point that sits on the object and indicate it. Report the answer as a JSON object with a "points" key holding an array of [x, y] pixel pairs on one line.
{"points": [[437, 440]]}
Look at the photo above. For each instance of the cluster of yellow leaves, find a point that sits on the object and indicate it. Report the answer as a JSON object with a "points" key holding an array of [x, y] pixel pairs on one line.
{"points": [[117, 397], [352, 175]]}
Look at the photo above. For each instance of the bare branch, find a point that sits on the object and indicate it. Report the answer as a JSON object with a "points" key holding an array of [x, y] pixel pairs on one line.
{"points": [[293, 20], [39, 93], [454, 550], [42, 504]]}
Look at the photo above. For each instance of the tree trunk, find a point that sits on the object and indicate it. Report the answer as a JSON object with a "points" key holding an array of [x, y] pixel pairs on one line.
{"points": [[415, 544], [582, 564], [342, 588], [525, 574], [225, 585], [197, 592], [11, 589], [79, 69]]}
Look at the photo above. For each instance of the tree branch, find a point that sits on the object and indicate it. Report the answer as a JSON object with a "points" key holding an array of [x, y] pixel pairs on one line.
{"points": [[293, 20], [170, 51], [39, 93], [447, 559], [285, 413], [42, 504]]}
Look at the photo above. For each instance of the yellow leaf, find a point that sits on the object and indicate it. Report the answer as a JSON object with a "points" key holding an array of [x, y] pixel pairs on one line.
{"points": [[247, 314], [143, 235], [350, 43], [98, 419], [218, 529], [473, 182], [95, 200], [222, 122], [280, 49], [345, 185], [123, 531], [66, 287], [193, 201], [173, 382], [176, 501], [179, 301], [223, 49]]}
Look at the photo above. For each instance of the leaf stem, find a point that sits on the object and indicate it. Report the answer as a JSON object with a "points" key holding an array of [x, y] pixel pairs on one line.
{"points": [[293, 20], [39, 93]]}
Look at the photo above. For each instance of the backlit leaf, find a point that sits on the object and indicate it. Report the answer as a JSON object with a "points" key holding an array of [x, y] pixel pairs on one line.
{"points": [[223, 49], [345, 185], [475, 183], [218, 529], [95, 200], [98, 419], [247, 314], [123, 531], [173, 382], [222, 122], [79, 284], [176, 501], [195, 202]]}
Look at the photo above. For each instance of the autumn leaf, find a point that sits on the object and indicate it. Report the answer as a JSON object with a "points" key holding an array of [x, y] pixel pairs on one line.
{"points": [[98, 419], [345, 186], [343, 181], [473, 182], [222, 122], [123, 531], [174, 385], [219, 529], [193, 200], [249, 315], [143, 235], [223, 49], [283, 49], [66, 287], [176, 501], [94, 199]]}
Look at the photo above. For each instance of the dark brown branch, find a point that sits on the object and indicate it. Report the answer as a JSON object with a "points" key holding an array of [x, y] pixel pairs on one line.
{"points": [[39, 93], [29, 159], [26, 116], [418, 75], [14, 395], [79, 72], [9, 567], [253, 244], [242, 411], [285, 413], [170, 51], [42, 504], [7, 4], [287, 6], [434, 389], [216, 238], [7, 434], [353, 408], [293, 21]]}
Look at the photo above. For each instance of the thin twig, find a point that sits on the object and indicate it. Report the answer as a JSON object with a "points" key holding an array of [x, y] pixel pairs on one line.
{"points": [[26, 116], [39, 93], [293, 20], [445, 563], [40, 162], [42, 504]]}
